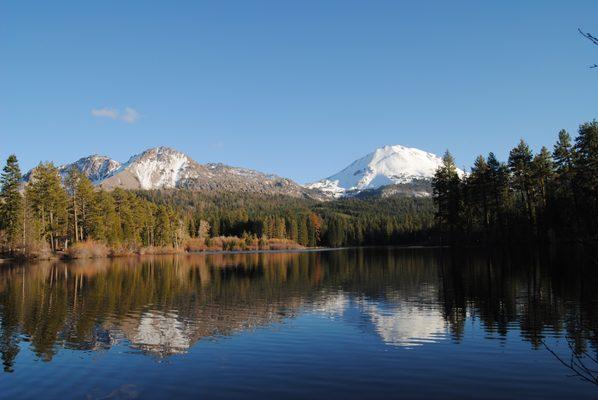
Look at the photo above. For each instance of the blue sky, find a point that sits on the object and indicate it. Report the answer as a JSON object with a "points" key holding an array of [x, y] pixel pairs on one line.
{"points": [[297, 88]]}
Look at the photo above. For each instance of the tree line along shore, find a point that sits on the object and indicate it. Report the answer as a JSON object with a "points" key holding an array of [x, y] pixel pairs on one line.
{"points": [[52, 215], [550, 196]]}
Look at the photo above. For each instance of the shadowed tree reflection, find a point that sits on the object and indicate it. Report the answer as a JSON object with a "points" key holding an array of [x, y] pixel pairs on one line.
{"points": [[164, 305]]}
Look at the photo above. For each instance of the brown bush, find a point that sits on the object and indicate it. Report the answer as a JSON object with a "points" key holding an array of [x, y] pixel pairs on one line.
{"points": [[195, 244], [159, 250], [126, 249], [39, 250], [87, 249], [233, 243], [283, 244]]}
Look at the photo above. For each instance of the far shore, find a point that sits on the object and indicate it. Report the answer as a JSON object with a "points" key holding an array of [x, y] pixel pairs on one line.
{"points": [[62, 256]]}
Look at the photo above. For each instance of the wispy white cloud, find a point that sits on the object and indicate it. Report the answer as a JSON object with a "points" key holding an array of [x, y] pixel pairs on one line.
{"points": [[105, 112], [128, 115]]}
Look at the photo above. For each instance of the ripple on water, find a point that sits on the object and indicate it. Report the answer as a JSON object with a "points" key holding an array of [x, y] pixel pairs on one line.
{"points": [[354, 323]]}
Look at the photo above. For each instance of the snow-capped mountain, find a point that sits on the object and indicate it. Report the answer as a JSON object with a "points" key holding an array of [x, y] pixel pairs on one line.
{"points": [[388, 165], [388, 171]]}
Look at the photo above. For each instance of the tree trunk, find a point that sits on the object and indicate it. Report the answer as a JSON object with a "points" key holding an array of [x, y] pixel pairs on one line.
{"points": [[75, 218], [52, 244]]}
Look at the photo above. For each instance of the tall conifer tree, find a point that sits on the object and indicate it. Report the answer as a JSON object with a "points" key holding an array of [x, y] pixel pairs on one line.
{"points": [[11, 202]]}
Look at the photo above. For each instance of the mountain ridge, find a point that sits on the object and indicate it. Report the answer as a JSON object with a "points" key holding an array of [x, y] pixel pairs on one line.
{"points": [[387, 171], [166, 168], [96, 167]]}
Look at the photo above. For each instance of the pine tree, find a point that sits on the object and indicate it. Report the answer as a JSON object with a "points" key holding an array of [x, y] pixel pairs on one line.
{"points": [[281, 229], [11, 202], [104, 223], [478, 193], [563, 153], [566, 209], [585, 164], [164, 228], [447, 196], [71, 184], [520, 165], [293, 229], [542, 174], [498, 177], [303, 238], [87, 205]]}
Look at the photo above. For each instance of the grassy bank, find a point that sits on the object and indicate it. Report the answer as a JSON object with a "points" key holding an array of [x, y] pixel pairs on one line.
{"points": [[94, 249]]}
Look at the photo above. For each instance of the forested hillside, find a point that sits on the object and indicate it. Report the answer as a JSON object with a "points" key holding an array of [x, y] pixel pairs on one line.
{"points": [[50, 214]]}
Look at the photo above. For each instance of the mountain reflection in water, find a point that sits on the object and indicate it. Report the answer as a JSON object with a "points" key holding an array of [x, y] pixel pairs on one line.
{"points": [[406, 298]]}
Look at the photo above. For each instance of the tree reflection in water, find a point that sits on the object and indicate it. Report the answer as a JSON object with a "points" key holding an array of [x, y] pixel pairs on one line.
{"points": [[408, 297]]}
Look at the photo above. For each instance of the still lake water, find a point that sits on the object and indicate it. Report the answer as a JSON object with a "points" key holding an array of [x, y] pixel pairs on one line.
{"points": [[356, 323]]}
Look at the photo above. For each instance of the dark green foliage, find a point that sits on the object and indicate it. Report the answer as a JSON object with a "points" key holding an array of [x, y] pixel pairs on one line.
{"points": [[48, 202], [536, 197], [386, 221], [520, 166], [343, 222], [585, 175], [11, 202], [446, 186]]}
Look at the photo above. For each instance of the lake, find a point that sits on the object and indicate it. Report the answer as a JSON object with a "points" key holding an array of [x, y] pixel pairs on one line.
{"points": [[356, 323]]}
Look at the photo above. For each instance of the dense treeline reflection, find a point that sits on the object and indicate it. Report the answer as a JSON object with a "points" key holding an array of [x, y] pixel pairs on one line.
{"points": [[530, 291], [164, 305]]}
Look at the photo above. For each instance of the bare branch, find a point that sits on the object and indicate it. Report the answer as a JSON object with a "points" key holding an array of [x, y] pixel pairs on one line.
{"points": [[588, 36], [592, 39], [576, 363]]}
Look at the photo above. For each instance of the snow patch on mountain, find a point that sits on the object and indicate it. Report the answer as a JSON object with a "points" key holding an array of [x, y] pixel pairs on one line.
{"points": [[158, 168], [95, 167]]}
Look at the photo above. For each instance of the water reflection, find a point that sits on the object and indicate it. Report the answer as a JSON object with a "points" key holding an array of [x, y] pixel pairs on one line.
{"points": [[163, 306], [162, 333], [332, 305], [405, 325]]}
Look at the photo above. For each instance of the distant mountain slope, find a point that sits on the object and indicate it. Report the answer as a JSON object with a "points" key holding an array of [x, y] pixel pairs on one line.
{"points": [[166, 168], [388, 165], [156, 168], [388, 171], [95, 167], [415, 188]]}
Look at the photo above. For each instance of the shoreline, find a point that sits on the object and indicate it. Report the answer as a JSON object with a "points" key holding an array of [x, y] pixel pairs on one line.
{"points": [[63, 257]]}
